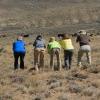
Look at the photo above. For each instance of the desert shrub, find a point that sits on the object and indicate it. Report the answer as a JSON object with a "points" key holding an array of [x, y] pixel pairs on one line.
{"points": [[74, 88], [89, 91], [17, 79], [38, 97], [95, 84], [49, 82], [63, 97], [22, 89], [4, 82], [75, 75], [6, 97], [85, 66], [31, 83], [47, 94], [80, 76], [96, 96], [56, 76], [70, 78], [55, 85], [54, 82], [1, 49], [94, 69], [96, 49]]}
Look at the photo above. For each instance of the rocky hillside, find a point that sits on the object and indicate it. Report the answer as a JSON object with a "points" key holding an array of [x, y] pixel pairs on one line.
{"points": [[49, 14]]}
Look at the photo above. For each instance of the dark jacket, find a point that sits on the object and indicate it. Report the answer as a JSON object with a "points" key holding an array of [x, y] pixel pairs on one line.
{"points": [[83, 39], [19, 46]]}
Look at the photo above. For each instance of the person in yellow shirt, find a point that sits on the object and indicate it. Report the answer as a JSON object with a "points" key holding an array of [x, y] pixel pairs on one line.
{"points": [[54, 50], [68, 47]]}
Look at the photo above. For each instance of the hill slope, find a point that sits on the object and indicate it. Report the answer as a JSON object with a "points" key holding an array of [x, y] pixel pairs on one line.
{"points": [[75, 84], [30, 14]]}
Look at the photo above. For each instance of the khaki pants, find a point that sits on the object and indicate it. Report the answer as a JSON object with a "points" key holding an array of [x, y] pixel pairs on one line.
{"points": [[55, 52], [81, 52], [39, 57]]}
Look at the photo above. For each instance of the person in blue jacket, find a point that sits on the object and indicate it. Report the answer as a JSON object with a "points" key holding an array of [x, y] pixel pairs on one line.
{"points": [[19, 52]]}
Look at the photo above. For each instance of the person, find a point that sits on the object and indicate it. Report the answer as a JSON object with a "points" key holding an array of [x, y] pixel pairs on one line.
{"points": [[39, 51], [83, 40], [19, 52], [54, 49], [60, 37], [68, 47]]}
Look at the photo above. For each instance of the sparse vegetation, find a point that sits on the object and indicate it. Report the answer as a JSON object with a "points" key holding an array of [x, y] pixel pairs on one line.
{"points": [[48, 17], [73, 84]]}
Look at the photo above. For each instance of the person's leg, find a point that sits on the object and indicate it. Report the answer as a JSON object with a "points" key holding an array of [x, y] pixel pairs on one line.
{"points": [[22, 55], [16, 56], [36, 55], [52, 53], [58, 58], [42, 58], [88, 54], [70, 58], [66, 58], [80, 54]]}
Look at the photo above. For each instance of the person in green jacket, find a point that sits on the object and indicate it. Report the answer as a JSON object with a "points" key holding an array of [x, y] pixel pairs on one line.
{"points": [[54, 50]]}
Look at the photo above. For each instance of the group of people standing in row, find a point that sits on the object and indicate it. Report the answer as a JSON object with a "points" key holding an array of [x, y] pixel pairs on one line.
{"points": [[54, 50]]}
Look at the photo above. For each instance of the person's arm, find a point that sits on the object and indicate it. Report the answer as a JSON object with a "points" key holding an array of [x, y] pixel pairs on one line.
{"points": [[59, 46], [89, 39], [77, 39], [34, 44], [24, 45], [13, 46], [44, 44], [48, 48]]}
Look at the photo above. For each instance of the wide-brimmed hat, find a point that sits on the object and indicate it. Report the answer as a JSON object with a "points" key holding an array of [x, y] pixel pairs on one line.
{"points": [[82, 32]]}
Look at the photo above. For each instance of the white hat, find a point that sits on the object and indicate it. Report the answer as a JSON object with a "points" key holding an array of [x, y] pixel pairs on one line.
{"points": [[82, 32]]}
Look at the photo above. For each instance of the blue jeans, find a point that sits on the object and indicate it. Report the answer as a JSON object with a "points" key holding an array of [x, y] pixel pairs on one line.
{"points": [[68, 54]]}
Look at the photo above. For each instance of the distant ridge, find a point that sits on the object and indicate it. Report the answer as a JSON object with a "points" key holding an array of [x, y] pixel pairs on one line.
{"points": [[35, 14]]}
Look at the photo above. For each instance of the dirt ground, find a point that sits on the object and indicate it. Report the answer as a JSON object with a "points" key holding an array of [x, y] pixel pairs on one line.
{"points": [[75, 84]]}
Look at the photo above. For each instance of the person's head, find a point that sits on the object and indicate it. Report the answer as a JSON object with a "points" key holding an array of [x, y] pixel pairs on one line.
{"points": [[66, 36], [52, 39], [39, 37], [20, 37], [82, 32], [60, 36]]}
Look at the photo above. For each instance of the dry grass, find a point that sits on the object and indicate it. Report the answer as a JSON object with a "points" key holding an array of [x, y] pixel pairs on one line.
{"points": [[83, 84], [43, 16]]}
